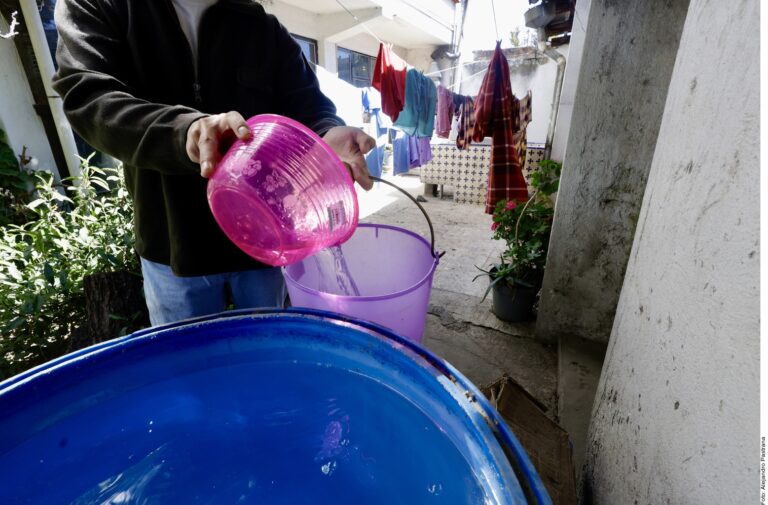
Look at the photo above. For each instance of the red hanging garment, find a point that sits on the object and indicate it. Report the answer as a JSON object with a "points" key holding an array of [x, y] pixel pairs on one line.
{"points": [[389, 78], [497, 115]]}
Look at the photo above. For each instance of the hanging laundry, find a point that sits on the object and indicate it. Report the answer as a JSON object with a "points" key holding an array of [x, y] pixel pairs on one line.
{"points": [[524, 116], [419, 151], [446, 108], [458, 100], [389, 78], [375, 160], [525, 111], [496, 112], [371, 99], [466, 123], [418, 114], [401, 159], [376, 128], [409, 151], [454, 129]]}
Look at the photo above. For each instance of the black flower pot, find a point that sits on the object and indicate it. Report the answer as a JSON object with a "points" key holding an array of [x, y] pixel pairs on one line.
{"points": [[515, 303]]}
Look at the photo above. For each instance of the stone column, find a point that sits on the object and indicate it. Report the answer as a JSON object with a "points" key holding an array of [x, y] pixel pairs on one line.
{"points": [[676, 418], [629, 51], [570, 79]]}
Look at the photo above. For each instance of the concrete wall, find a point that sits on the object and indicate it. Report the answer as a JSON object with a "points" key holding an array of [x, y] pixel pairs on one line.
{"points": [[676, 419], [18, 118], [570, 80], [320, 27], [296, 20], [362, 43], [420, 59], [629, 53]]}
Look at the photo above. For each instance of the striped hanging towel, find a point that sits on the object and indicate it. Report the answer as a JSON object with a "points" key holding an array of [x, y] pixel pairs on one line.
{"points": [[497, 116]]}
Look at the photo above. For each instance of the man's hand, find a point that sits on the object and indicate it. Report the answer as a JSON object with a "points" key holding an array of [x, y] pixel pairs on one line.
{"points": [[209, 137], [351, 144]]}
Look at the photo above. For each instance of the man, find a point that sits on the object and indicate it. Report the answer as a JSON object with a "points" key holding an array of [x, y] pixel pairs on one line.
{"points": [[164, 86]]}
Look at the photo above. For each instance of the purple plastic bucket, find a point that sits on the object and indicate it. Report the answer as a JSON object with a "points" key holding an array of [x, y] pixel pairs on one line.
{"points": [[387, 279]]}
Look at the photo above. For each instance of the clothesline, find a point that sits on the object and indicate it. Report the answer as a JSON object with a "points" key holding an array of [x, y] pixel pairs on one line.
{"points": [[467, 78], [495, 24], [362, 23], [467, 63], [457, 66]]}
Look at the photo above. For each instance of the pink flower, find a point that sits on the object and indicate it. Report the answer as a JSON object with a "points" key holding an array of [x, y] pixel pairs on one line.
{"points": [[511, 205], [494, 226]]}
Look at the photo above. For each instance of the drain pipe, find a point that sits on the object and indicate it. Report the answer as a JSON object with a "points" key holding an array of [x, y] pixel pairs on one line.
{"points": [[560, 60], [48, 103]]}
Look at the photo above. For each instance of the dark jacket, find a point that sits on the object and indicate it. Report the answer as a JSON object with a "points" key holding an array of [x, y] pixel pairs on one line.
{"points": [[129, 87]]}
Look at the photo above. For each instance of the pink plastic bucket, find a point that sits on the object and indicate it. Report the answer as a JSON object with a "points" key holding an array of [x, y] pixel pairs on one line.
{"points": [[382, 274], [283, 194]]}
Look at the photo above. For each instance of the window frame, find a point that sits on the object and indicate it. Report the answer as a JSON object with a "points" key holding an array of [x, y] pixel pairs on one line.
{"points": [[312, 44], [358, 82]]}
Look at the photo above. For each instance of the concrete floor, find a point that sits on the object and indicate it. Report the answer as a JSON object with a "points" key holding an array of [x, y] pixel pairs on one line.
{"points": [[579, 365], [461, 327]]}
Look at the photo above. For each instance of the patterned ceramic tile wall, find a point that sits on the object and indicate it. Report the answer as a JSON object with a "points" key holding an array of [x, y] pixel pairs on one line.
{"points": [[466, 172]]}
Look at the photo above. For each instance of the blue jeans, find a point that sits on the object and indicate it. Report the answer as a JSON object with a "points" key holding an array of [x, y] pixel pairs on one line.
{"points": [[172, 298]]}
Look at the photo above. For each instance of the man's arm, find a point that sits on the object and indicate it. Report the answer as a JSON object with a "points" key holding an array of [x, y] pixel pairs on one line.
{"points": [[100, 105]]}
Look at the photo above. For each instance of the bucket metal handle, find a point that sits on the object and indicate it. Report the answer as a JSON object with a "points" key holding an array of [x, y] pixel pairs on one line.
{"points": [[429, 221]]}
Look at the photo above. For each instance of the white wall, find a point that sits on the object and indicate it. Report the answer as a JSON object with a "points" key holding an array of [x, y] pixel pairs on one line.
{"points": [[364, 43], [677, 413], [307, 24], [296, 20], [441, 10], [419, 58], [18, 118]]}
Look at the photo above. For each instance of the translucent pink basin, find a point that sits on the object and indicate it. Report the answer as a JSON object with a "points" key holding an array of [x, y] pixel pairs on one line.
{"points": [[283, 194]]}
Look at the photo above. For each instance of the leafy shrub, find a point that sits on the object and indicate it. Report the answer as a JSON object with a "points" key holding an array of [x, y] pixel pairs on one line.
{"points": [[525, 228], [43, 262], [15, 186]]}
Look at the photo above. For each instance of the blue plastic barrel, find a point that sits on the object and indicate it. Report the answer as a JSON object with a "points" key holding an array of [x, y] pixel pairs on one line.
{"points": [[277, 407]]}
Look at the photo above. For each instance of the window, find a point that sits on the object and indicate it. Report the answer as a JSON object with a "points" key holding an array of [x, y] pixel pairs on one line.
{"points": [[355, 68], [308, 47]]}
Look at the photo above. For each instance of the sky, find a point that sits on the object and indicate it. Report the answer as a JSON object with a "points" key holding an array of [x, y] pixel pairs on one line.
{"points": [[479, 30]]}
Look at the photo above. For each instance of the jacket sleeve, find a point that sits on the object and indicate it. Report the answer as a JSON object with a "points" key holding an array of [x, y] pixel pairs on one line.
{"points": [[101, 107], [298, 88]]}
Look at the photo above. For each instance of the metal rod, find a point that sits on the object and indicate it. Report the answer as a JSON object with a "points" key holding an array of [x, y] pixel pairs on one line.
{"points": [[429, 221]]}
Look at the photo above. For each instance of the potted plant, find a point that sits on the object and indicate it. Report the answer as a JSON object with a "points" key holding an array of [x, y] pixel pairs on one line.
{"points": [[525, 228]]}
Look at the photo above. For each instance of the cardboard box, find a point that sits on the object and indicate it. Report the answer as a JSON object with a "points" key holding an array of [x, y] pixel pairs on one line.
{"points": [[546, 443]]}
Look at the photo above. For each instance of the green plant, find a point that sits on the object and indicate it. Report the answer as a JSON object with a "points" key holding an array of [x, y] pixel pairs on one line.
{"points": [[15, 187], [525, 228], [43, 262]]}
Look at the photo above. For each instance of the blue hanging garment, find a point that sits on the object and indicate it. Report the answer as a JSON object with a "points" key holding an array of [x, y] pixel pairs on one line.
{"points": [[418, 115], [419, 151], [401, 159], [371, 101]]}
